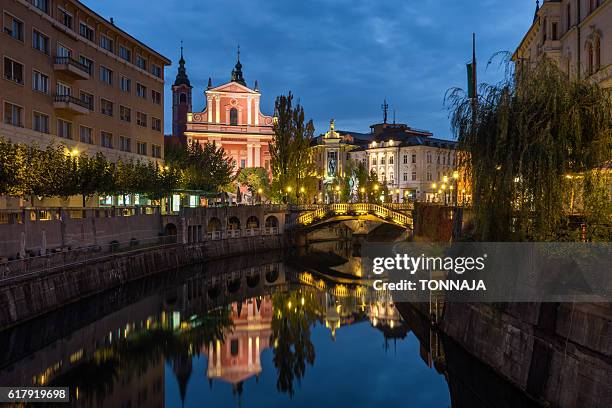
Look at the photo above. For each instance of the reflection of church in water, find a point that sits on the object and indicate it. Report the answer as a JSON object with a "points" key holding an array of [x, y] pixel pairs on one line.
{"points": [[237, 358]]}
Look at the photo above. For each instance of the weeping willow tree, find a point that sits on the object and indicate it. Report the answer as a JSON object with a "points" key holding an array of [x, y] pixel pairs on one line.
{"points": [[533, 140]]}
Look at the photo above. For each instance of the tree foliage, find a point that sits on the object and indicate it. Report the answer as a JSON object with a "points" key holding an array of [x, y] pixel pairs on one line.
{"points": [[202, 167], [292, 166], [526, 136]]}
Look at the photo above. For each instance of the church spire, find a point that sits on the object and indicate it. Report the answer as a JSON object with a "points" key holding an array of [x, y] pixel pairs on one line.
{"points": [[237, 71], [181, 76]]}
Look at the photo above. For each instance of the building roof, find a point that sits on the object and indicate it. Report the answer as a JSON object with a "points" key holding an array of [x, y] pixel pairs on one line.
{"points": [[181, 76]]}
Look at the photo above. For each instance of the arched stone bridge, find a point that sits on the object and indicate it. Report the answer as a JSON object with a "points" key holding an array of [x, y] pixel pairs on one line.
{"points": [[400, 215]]}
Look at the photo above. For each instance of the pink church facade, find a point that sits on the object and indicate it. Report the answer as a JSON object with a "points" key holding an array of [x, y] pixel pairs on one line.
{"points": [[232, 119]]}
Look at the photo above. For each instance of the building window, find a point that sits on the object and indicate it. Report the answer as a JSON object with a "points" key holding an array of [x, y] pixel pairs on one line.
{"points": [[64, 17], [106, 107], [106, 43], [64, 129], [156, 97], [40, 122], [183, 98], [554, 34], [126, 84], [597, 52], [40, 82], [156, 151], [125, 53], [86, 135], [142, 148], [40, 42], [13, 114], [106, 75], [141, 90], [414, 176], [428, 176], [413, 158], [390, 159], [233, 116], [42, 5], [374, 161], [88, 99], [242, 163], [141, 62], [125, 113], [405, 177], [156, 124], [13, 71], [125, 144], [141, 119], [86, 31], [13, 27], [63, 51], [87, 63], [429, 157], [405, 159], [63, 89], [106, 140], [590, 58], [382, 161], [156, 70]]}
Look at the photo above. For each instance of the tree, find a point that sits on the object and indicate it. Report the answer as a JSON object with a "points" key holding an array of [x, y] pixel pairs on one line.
{"points": [[292, 166], [201, 167], [526, 137], [254, 178]]}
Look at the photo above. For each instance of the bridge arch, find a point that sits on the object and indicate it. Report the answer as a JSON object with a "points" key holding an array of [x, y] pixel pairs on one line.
{"points": [[384, 213], [271, 222], [233, 223], [214, 225], [252, 222]]}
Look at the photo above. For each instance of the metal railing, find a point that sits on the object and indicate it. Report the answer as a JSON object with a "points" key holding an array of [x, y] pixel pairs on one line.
{"points": [[71, 99], [74, 63], [357, 209]]}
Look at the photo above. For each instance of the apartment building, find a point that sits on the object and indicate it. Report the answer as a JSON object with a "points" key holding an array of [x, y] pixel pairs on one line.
{"points": [[70, 76], [573, 33], [411, 162]]}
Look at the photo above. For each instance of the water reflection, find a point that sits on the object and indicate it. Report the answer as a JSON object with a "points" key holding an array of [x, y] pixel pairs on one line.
{"points": [[228, 333]]}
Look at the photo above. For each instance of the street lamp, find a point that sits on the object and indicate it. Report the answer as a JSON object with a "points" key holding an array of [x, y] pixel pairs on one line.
{"points": [[362, 191], [397, 191], [259, 191]]}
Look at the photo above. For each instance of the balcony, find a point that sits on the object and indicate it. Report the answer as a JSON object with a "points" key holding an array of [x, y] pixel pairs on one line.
{"points": [[71, 104], [72, 68]]}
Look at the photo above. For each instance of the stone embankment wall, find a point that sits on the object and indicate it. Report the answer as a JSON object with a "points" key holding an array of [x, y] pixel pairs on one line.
{"points": [[25, 297], [558, 353]]}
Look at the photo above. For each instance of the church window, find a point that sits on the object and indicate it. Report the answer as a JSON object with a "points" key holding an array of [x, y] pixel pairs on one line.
{"points": [[597, 62], [234, 116], [590, 58], [183, 98]]}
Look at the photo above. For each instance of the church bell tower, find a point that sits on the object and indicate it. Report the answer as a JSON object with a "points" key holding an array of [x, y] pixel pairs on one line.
{"points": [[181, 101]]}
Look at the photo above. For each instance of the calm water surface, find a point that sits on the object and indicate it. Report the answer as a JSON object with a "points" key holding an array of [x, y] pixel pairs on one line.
{"points": [[270, 330]]}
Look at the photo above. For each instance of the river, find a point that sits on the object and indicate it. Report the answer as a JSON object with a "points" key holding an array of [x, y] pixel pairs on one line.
{"points": [[285, 329]]}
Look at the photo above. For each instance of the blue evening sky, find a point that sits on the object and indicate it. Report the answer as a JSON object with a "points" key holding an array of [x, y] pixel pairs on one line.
{"points": [[340, 57]]}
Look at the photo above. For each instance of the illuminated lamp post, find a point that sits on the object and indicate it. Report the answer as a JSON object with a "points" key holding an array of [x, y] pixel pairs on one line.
{"points": [[434, 186], [362, 190]]}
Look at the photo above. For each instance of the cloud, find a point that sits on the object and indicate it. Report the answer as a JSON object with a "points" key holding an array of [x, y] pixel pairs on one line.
{"points": [[340, 57]]}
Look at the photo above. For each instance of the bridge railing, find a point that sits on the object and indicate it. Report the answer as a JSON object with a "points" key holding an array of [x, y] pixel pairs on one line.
{"points": [[357, 208]]}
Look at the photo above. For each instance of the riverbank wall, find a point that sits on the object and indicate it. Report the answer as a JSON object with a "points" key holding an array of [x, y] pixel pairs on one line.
{"points": [[559, 354], [27, 296]]}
